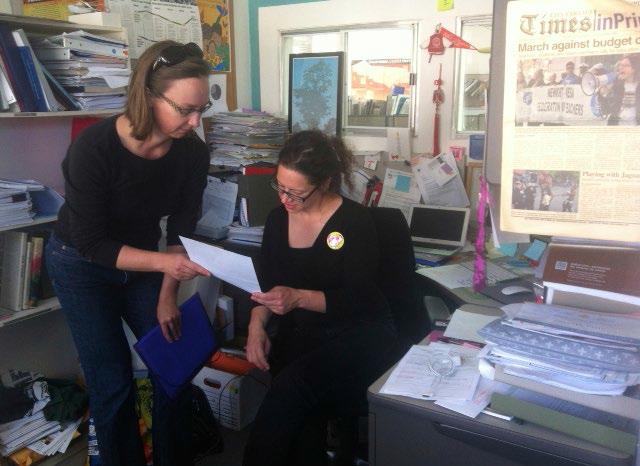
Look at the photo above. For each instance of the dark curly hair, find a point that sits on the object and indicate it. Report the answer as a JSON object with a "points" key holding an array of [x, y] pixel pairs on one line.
{"points": [[318, 157]]}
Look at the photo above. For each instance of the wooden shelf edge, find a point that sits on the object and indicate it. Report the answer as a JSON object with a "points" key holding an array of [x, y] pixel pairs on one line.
{"points": [[69, 113], [31, 21], [45, 306]]}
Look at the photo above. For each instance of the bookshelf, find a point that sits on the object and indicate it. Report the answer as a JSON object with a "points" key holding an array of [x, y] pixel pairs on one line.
{"points": [[45, 306], [43, 27], [37, 221]]}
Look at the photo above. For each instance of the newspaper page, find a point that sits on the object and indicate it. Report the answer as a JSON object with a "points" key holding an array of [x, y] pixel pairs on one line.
{"points": [[571, 121]]}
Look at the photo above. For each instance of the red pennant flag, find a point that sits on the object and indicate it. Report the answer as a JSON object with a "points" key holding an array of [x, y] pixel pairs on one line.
{"points": [[456, 42]]}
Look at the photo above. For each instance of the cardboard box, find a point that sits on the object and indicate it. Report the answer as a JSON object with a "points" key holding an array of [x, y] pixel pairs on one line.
{"points": [[234, 399]]}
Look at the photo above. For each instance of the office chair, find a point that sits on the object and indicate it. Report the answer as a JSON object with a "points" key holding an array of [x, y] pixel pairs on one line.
{"points": [[398, 282]]}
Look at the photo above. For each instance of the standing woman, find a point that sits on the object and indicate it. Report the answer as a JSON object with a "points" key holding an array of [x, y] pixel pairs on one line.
{"points": [[319, 268], [122, 175], [621, 101]]}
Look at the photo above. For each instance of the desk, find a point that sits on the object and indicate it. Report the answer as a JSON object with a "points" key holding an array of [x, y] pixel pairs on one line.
{"points": [[407, 432]]}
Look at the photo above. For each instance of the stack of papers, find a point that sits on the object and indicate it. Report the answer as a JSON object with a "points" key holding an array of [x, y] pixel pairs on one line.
{"points": [[245, 235], [583, 351], [90, 71], [461, 275], [38, 434], [16, 203], [241, 138]]}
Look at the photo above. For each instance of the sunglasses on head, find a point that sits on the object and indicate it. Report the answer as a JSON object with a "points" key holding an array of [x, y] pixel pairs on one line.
{"points": [[175, 54]]}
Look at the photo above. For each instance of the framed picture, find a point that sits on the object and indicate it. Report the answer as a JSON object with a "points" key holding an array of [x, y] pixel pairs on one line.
{"points": [[315, 92]]}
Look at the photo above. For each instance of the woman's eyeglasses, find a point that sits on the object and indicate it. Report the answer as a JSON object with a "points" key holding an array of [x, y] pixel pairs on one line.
{"points": [[291, 196], [175, 54], [185, 112]]}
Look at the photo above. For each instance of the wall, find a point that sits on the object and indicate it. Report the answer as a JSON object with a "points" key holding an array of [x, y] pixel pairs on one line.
{"points": [[275, 19]]}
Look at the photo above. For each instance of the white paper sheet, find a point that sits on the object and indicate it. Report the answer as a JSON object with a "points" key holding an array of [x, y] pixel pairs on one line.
{"points": [[226, 265], [398, 144], [150, 21], [360, 180], [481, 398], [399, 190], [217, 94], [412, 376], [465, 325], [218, 202], [451, 194]]}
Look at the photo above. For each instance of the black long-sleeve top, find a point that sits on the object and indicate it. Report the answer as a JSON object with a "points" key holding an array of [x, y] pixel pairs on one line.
{"points": [[348, 276], [114, 197]]}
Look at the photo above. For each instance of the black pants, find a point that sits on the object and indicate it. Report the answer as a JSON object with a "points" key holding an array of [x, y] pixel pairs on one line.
{"points": [[320, 375]]}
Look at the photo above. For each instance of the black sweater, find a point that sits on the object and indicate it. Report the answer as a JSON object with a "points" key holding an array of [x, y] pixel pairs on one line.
{"points": [[116, 198], [347, 276]]}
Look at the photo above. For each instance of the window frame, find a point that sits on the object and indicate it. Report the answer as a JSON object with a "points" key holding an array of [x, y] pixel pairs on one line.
{"points": [[343, 32], [458, 97]]}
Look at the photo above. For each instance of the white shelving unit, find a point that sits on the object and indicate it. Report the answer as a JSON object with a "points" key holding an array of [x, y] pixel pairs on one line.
{"points": [[38, 339]]}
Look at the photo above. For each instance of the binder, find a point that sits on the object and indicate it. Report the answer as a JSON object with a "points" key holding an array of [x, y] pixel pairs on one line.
{"points": [[591, 431], [92, 47], [257, 199], [175, 364], [621, 405], [16, 71]]}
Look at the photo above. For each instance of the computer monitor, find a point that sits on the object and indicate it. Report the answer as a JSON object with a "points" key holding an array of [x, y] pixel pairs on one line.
{"points": [[434, 226]]}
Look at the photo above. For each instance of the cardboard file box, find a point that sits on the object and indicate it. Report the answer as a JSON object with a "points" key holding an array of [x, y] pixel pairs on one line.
{"points": [[234, 399]]}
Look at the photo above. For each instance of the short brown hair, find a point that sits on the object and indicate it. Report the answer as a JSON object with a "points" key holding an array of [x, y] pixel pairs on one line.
{"points": [[145, 82]]}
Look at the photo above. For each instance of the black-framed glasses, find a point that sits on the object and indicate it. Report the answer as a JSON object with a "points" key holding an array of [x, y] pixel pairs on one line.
{"points": [[175, 54], [185, 112], [291, 196]]}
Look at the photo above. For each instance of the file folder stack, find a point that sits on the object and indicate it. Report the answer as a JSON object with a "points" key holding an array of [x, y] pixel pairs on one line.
{"points": [[91, 71], [574, 349], [243, 138]]}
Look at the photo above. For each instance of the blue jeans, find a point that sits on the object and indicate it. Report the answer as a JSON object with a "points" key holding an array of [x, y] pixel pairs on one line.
{"points": [[94, 299]]}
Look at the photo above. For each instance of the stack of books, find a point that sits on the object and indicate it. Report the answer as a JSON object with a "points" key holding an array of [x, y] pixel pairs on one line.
{"points": [[243, 138], [91, 71]]}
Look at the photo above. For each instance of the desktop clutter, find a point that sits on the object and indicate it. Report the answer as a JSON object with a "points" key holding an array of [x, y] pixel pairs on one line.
{"points": [[567, 360]]}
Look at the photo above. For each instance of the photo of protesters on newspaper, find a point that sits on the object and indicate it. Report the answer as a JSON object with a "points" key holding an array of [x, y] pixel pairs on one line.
{"points": [[545, 190], [595, 90]]}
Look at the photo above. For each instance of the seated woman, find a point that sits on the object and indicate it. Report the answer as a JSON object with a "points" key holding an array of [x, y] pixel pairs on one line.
{"points": [[319, 268]]}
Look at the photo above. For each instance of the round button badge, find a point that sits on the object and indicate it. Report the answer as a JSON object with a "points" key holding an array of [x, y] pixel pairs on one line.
{"points": [[335, 240]]}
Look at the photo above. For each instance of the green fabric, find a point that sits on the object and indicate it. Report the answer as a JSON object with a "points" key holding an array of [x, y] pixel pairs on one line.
{"points": [[68, 401]]}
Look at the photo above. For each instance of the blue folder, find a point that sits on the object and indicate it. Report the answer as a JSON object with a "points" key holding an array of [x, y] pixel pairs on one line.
{"points": [[173, 365]]}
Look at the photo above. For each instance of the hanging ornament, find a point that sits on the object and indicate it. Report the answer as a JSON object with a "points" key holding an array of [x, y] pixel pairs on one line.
{"points": [[436, 46], [435, 43], [456, 41], [438, 98]]}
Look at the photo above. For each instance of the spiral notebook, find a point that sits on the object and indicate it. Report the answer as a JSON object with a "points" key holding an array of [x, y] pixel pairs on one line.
{"points": [[174, 364]]}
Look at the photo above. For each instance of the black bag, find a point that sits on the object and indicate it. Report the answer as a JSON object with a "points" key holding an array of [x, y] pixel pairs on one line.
{"points": [[207, 439]]}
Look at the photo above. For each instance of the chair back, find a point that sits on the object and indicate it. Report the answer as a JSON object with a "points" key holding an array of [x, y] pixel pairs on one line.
{"points": [[397, 277]]}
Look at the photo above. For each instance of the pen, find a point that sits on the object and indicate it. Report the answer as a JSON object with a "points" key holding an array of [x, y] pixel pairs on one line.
{"points": [[457, 341]]}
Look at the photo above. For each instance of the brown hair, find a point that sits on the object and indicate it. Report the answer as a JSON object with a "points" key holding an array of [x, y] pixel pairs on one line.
{"points": [[318, 157], [145, 82]]}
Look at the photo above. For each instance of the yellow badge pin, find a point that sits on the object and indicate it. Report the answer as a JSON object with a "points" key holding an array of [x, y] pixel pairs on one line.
{"points": [[335, 240]]}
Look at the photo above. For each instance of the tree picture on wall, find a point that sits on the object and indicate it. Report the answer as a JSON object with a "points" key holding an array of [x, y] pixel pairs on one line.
{"points": [[315, 92]]}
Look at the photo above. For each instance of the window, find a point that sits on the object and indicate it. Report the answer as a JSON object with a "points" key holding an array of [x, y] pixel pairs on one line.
{"points": [[472, 76], [380, 63]]}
